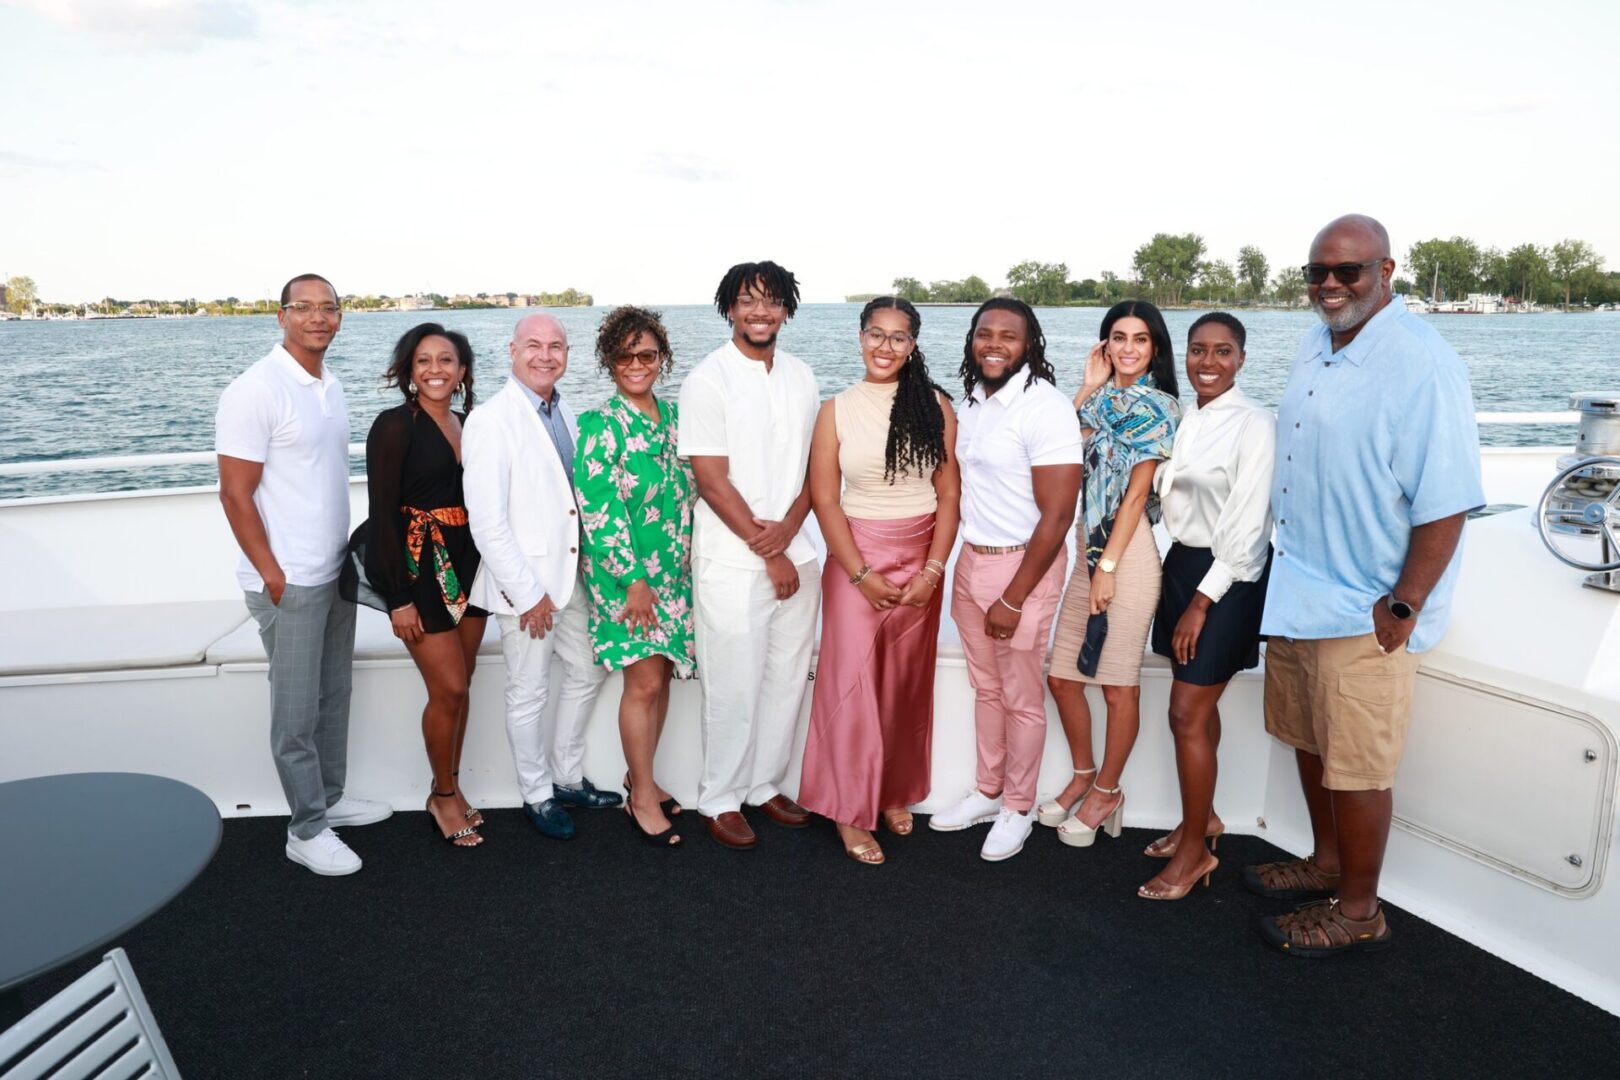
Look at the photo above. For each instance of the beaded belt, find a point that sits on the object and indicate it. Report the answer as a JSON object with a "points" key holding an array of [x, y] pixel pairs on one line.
{"points": [[981, 549]]}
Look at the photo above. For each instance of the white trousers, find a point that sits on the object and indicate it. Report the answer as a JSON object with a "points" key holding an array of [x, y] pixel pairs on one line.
{"points": [[753, 655], [549, 750]]}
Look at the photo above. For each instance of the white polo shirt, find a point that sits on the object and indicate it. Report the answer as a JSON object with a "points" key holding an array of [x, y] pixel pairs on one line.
{"points": [[761, 422], [277, 413], [999, 439]]}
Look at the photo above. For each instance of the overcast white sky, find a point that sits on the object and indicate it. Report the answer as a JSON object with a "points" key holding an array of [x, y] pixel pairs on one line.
{"points": [[634, 150]]}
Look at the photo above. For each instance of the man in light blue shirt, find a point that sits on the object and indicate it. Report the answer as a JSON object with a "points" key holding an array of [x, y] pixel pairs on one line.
{"points": [[1377, 468]]}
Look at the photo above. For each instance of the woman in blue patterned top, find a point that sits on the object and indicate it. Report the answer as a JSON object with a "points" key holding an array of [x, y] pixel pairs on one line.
{"points": [[1128, 413]]}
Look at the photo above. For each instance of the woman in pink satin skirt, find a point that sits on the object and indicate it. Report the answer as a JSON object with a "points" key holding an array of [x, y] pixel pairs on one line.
{"points": [[886, 491]]}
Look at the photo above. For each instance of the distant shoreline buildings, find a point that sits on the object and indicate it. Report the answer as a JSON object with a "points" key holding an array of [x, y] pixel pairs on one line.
{"points": [[110, 308]]}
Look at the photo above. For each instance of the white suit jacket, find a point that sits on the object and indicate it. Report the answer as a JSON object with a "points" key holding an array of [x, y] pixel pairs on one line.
{"points": [[520, 505]]}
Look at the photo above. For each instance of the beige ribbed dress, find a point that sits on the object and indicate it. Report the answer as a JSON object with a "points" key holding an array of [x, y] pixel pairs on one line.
{"points": [[1137, 581]]}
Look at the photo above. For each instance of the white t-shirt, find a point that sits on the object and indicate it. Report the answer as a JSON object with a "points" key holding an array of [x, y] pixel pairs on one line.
{"points": [[998, 440], [277, 413], [761, 422]]}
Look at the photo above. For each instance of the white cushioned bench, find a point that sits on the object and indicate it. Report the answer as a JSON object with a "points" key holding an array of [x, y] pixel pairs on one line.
{"points": [[49, 641], [373, 640]]}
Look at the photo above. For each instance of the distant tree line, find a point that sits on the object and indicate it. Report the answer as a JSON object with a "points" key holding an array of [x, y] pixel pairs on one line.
{"points": [[1448, 269], [1173, 270]]}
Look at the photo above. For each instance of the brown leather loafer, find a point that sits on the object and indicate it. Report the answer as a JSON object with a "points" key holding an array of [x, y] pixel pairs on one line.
{"points": [[785, 812], [731, 829]]}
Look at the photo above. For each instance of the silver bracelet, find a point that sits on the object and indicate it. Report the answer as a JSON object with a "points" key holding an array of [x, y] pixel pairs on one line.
{"points": [[1002, 600]]}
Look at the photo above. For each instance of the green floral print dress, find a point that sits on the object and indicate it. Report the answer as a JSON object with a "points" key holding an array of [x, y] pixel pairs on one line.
{"points": [[635, 503]]}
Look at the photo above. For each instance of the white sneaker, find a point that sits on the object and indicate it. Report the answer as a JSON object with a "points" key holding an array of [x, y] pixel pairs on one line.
{"points": [[1007, 835], [976, 808], [349, 811], [323, 853]]}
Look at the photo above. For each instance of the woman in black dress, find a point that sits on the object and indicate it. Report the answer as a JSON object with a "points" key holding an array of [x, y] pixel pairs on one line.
{"points": [[421, 557]]}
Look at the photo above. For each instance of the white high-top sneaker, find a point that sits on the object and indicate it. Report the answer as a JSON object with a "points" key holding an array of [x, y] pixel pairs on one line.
{"points": [[1007, 835], [323, 853], [976, 808]]}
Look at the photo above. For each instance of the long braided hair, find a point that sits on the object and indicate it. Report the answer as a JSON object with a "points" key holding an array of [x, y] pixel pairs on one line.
{"points": [[1034, 353], [916, 424]]}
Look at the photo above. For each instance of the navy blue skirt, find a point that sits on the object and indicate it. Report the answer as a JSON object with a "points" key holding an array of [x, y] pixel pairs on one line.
{"points": [[1230, 641]]}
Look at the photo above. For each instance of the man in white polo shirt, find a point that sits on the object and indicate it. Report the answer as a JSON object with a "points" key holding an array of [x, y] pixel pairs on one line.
{"points": [[1019, 446], [747, 413], [282, 435]]}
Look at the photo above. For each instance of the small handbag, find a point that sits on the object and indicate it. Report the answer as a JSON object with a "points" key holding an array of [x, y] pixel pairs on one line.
{"points": [[1091, 648], [353, 585]]}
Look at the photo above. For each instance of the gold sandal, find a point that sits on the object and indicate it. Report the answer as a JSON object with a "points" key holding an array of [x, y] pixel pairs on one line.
{"points": [[900, 822], [861, 852]]}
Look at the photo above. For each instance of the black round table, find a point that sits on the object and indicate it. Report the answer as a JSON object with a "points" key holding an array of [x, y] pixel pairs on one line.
{"points": [[88, 856]]}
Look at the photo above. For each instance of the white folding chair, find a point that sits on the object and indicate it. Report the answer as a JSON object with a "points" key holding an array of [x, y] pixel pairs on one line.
{"points": [[99, 1026]]}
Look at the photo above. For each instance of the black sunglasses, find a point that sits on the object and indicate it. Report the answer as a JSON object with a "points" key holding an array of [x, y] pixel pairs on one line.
{"points": [[1346, 273]]}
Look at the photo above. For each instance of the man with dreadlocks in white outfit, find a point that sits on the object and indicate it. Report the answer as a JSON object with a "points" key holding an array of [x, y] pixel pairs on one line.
{"points": [[747, 414]]}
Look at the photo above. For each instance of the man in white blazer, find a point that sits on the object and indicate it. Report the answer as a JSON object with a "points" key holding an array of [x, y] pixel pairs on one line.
{"points": [[517, 452]]}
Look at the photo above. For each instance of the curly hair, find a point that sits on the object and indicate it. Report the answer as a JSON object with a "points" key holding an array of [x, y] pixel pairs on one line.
{"points": [[777, 283], [622, 326], [1162, 367], [399, 368], [1034, 352], [916, 425]]}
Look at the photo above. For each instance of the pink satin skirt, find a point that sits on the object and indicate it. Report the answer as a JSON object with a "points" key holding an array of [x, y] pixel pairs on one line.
{"points": [[872, 716]]}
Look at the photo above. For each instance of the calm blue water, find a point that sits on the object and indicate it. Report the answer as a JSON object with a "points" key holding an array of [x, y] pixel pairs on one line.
{"points": [[149, 386]]}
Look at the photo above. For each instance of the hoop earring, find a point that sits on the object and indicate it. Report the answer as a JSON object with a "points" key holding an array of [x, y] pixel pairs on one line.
{"points": [[410, 388]]}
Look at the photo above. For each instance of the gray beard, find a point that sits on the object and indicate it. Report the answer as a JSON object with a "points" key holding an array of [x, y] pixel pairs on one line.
{"points": [[1352, 315]]}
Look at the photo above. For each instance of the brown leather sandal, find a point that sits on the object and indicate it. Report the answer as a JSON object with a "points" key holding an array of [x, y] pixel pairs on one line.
{"points": [[1293, 880], [1320, 929]]}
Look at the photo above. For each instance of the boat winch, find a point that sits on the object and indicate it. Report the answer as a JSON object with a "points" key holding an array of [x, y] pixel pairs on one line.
{"points": [[1579, 513]]}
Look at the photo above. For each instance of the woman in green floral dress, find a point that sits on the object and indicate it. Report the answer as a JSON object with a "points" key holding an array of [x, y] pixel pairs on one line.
{"points": [[635, 499]]}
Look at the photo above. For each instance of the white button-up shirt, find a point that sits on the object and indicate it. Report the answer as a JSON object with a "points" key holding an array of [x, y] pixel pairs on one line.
{"points": [[279, 414], [999, 439], [1215, 491], [761, 422]]}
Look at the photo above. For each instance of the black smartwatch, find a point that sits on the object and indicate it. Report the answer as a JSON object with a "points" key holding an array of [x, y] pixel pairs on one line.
{"points": [[1399, 608]]}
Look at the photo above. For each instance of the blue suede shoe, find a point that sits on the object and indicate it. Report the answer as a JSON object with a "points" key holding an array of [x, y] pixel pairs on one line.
{"points": [[550, 818], [587, 796]]}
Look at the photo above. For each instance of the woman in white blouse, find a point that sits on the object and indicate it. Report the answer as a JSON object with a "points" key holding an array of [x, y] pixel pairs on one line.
{"points": [[1215, 496]]}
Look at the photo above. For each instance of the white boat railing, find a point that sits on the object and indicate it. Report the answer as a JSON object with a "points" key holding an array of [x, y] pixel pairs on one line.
{"points": [[207, 457]]}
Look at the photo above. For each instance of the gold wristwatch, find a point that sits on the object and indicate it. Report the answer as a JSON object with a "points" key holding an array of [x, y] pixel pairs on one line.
{"points": [[1107, 566]]}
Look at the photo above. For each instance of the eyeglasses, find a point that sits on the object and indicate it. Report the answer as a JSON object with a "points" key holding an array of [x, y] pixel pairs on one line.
{"points": [[648, 358], [304, 307], [899, 342], [749, 303], [1345, 273]]}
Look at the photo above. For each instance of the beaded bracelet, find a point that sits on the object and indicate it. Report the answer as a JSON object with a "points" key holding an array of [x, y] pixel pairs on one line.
{"points": [[860, 577]]}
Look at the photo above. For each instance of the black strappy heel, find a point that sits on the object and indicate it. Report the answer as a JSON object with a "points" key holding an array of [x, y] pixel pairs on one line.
{"points": [[459, 834], [669, 806], [471, 811], [668, 838]]}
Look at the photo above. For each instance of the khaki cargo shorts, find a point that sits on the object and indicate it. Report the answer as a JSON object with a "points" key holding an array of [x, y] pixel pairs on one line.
{"points": [[1346, 702]]}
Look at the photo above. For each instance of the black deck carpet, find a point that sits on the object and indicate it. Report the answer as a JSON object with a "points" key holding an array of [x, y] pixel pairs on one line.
{"points": [[602, 957]]}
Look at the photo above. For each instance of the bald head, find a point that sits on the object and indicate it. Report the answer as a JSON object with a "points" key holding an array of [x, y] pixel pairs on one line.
{"points": [[530, 324], [1366, 233], [1352, 255], [539, 351]]}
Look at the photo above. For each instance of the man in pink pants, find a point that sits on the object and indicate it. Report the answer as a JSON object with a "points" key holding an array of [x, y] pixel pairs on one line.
{"points": [[1018, 443]]}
